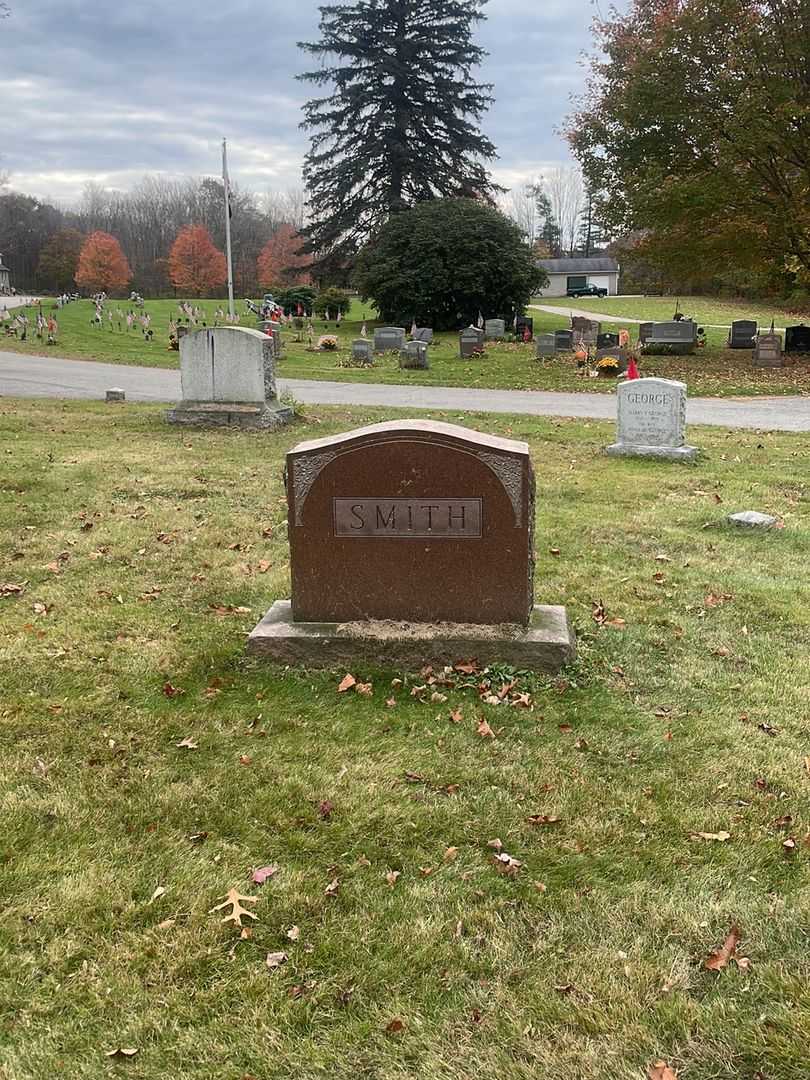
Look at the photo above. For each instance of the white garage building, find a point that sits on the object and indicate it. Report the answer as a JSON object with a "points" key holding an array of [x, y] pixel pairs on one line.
{"points": [[565, 274]]}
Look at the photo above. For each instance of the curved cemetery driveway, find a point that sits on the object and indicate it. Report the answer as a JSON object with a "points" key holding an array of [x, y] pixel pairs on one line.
{"points": [[22, 375]]}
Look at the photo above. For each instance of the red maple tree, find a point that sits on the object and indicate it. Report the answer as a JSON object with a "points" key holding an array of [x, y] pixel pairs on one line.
{"points": [[102, 264], [279, 262], [195, 265]]}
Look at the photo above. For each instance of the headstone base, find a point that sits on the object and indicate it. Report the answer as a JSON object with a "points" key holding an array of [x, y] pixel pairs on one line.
{"points": [[545, 645], [752, 519], [230, 414], [669, 453]]}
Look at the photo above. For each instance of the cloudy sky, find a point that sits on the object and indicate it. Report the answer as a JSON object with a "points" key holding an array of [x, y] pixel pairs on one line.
{"points": [[110, 92]]}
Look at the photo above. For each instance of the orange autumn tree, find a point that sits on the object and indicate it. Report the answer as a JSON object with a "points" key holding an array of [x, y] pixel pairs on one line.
{"points": [[102, 264], [279, 262], [195, 265]]}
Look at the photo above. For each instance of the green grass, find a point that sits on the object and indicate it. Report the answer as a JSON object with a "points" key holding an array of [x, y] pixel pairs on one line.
{"points": [[715, 371], [704, 309], [132, 540]]}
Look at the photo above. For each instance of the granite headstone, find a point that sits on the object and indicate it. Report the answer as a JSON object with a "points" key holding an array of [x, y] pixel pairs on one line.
{"points": [[388, 338], [651, 420]]}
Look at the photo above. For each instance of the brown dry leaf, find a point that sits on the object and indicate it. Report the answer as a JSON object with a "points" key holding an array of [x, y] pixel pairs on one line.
{"points": [[616, 623], [332, 888], [391, 702], [395, 1026], [505, 864], [721, 836], [484, 730], [363, 688], [789, 845], [264, 566], [326, 808], [714, 600], [466, 667], [245, 759], [294, 933], [598, 613], [167, 924], [554, 551], [347, 683], [496, 843], [233, 899], [258, 877], [172, 691], [541, 886], [11, 589], [392, 877], [275, 960], [187, 744], [716, 961], [437, 698], [121, 1052], [542, 819], [661, 1071], [450, 854], [521, 701], [456, 716]]}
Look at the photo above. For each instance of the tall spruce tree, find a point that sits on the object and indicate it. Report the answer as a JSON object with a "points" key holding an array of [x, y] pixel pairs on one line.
{"points": [[400, 123]]}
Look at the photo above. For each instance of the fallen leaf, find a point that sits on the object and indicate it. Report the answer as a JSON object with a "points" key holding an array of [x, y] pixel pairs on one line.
{"points": [[505, 864], [258, 877], [122, 1052], [159, 891], [466, 667], [294, 933], [325, 809], [172, 691], [542, 819], [390, 702], [275, 959], [565, 988], [392, 877], [233, 899], [332, 888], [554, 551], [450, 854], [484, 730], [10, 588], [364, 688], [661, 1071], [496, 843], [188, 743], [456, 716], [565, 729], [264, 566], [714, 600], [167, 924], [807, 765], [716, 961], [541, 886], [347, 683], [789, 845], [438, 698], [395, 1026], [721, 836], [616, 623], [245, 759]]}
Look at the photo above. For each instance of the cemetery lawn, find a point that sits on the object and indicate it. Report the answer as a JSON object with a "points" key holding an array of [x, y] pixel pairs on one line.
{"points": [[656, 794], [714, 371]]}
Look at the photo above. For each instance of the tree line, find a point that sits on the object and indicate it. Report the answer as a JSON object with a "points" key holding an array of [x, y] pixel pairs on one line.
{"points": [[41, 241]]}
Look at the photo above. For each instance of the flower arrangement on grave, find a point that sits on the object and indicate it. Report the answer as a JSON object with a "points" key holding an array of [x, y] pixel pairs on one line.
{"points": [[608, 365], [327, 342]]}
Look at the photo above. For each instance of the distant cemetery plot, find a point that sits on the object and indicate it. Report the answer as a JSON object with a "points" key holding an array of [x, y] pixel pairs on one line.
{"points": [[675, 336], [389, 338], [470, 342], [742, 334], [768, 351], [227, 379], [412, 542], [797, 339], [651, 420]]}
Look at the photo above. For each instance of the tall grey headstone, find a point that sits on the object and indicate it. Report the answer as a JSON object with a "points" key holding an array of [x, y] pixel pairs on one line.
{"points": [[651, 420], [768, 351], [388, 338], [362, 350], [423, 333], [494, 329], [414, 355], [546, 345], [228, 379], [564, 340], [470, 341]]}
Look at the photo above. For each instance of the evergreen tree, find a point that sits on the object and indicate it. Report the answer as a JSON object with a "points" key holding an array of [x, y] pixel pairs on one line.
{"points": [[400, 124], [548, 231]]}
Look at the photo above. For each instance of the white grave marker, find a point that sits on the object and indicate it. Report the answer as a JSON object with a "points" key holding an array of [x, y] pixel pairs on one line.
{"points": [[651, 420]]}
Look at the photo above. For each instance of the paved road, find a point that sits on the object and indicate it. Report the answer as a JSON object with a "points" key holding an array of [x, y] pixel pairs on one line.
{"points": [[562, 309], [49, 376]]}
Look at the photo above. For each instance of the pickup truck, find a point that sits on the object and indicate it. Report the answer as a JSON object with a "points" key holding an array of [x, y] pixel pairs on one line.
{"points": [[588, 290]]}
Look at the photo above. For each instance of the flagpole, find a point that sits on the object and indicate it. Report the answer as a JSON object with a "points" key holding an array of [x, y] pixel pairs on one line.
{"points": [[227, 185]]}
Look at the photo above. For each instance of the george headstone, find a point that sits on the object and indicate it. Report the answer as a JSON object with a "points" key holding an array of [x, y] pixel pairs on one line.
{"points": [[388, 338], [752, 519], [546, 345], [564, 340], [423, 333], [495, 329], [742, 334], [227, 379], [362, 351], [607, 340], [414, 355], [412, 542], [651, 420], [470, 341], [797, 339], [768, 351], [115, 394]]}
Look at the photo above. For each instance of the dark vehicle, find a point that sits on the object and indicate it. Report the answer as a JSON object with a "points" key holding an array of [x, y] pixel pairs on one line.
{"points": [[588, 290]]}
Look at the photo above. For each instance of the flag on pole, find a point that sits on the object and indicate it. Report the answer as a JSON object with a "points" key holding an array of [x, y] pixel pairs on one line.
{"points": [[413, 328], [339, 317], [480, 323], [228, 214], [363, 331]]}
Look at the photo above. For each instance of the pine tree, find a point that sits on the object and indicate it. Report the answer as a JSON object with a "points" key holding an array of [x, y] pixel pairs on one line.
{"points": [[400, 124]]}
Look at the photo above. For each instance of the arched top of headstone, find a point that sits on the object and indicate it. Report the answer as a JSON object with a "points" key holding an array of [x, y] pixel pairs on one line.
{"points": [[428, 430]]}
